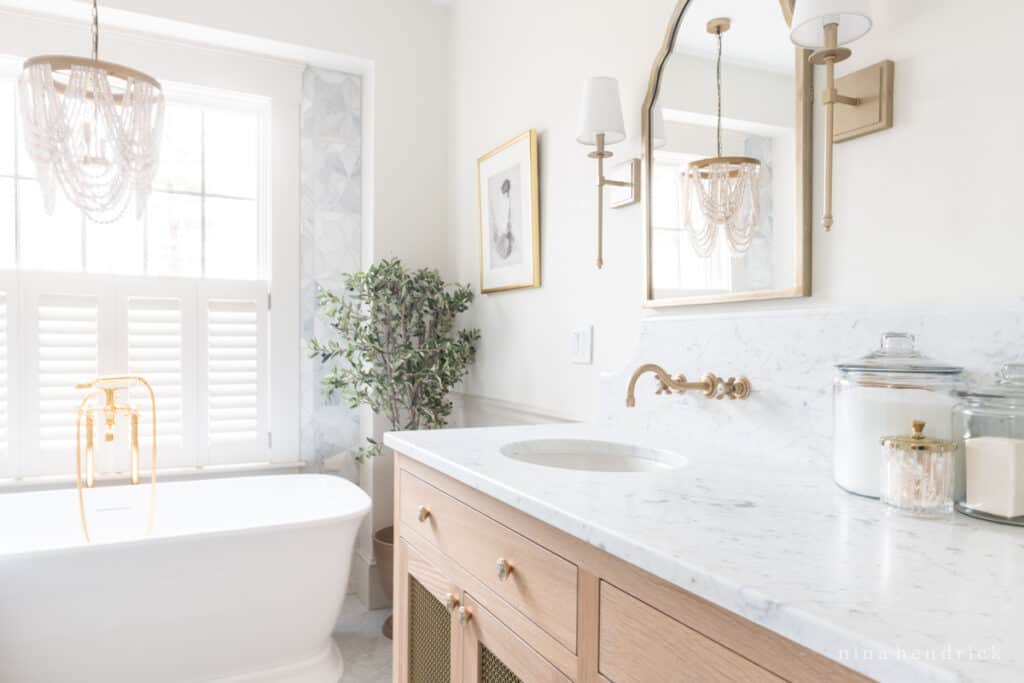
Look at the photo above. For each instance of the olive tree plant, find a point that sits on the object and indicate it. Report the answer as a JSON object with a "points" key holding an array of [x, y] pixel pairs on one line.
{"points": [[399, 350]]}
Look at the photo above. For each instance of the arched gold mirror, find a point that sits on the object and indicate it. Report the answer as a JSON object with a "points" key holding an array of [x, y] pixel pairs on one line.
{"points": [[726, 173]]}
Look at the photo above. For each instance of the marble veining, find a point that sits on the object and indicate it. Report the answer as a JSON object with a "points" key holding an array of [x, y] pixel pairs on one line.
{"points": [[772, 539]]}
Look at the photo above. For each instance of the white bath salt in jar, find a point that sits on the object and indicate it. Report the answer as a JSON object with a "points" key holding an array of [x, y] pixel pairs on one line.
{"points": [[991, 464], [881, 394], [918, 473]]}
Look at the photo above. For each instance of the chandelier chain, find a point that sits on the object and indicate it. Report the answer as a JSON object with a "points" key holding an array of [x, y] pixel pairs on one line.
{"points": [[718, 85], [95, 30]]}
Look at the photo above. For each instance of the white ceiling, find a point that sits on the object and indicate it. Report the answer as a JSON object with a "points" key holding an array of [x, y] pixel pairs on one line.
{"points": [[759, 36]]}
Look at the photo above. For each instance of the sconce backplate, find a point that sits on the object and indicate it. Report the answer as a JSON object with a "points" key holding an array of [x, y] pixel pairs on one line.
{"points": [[873, 86]]}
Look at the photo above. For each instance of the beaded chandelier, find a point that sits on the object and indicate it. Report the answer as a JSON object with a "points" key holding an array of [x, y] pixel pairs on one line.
{"points": [[94, 128], [725, 190]]}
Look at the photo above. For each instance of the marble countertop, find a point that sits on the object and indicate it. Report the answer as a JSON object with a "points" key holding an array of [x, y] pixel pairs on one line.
{"points": [[894, 597]]}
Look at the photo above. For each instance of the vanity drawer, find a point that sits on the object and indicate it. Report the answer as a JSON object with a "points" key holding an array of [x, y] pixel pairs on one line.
{"points": [[639, 644], [541, 584]]}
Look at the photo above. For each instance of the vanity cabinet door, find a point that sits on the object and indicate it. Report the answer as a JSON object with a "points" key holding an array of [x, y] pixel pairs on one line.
{"points": [[427, 639], [491, 653], [639, 643]]}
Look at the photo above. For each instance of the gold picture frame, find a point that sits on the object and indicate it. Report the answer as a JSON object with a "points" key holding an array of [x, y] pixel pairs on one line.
{"points": [[509, 215]]}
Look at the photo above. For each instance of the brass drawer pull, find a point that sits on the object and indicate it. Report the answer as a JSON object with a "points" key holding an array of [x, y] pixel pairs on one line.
{"points": [[423, 513], [451, 602], [504, 569], [465, 614]]}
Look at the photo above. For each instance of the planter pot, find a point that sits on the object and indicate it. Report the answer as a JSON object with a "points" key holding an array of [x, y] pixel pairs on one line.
{"points": [[384, 552]]}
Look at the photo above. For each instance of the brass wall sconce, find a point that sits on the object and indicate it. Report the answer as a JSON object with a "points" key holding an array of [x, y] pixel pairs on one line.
{"points": [[857, 104], [601, 124]]}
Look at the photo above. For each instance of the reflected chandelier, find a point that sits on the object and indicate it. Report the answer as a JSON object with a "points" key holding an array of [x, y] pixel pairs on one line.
{"points": [[94, 128], [726, 190]]}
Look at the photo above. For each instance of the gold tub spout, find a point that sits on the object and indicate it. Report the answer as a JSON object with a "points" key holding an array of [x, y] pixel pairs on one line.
{"points": [[711, 386], [107, 388]]}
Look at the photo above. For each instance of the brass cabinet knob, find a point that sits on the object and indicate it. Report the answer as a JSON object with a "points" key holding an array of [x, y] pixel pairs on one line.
{"points": [[504, 569], [451, 602], [465, 614], [423, 513]]}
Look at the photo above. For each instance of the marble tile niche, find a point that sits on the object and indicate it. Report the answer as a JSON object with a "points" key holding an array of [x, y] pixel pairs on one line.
{"points": [[330, 241]]}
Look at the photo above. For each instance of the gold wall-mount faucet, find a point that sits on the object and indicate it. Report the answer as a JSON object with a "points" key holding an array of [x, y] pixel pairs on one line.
{"points": [[711, 385]]}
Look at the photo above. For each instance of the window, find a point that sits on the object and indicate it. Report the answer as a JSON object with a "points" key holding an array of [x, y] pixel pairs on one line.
{"points": [[178, 295]]}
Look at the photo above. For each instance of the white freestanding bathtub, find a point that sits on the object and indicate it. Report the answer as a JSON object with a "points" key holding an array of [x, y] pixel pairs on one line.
{"points": [[239, 580]]}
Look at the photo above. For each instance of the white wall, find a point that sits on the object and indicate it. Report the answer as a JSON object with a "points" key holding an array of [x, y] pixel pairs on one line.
{"points": [[924, 212], [405, 40]]}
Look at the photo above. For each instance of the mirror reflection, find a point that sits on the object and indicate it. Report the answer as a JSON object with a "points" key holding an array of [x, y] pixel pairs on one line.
{"points": [[725, 199]]}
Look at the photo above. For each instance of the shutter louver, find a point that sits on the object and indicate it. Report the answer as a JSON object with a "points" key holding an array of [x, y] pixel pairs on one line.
{"points": [[155, 352], [67, 352], [236, 379]]}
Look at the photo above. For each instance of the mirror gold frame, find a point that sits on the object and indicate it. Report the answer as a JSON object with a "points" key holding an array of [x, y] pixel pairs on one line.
{"points": [[804, 101]]}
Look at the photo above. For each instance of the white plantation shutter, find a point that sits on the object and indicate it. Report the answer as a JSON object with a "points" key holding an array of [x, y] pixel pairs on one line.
{"points": [[10, 398], [156, 338], [5, 449], [236, 373], [61, 349], [202, 345]]}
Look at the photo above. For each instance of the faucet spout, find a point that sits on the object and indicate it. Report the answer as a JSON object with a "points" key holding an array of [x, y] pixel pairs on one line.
{"points": [[658, 371]]}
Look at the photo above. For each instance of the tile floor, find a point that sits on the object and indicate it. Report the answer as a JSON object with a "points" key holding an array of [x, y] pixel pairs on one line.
{"points": [[366, 652]]}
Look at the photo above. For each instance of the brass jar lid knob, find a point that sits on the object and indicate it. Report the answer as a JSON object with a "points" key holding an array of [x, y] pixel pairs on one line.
{"points": [[504, 569], [451, 602], [465, 614], [423, 513]]}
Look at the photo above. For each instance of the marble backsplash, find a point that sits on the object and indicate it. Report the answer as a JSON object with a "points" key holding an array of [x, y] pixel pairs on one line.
{"points": [[789, 355]]}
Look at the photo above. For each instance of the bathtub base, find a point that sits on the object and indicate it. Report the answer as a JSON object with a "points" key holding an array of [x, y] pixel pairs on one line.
{"points": [[325, 667]]}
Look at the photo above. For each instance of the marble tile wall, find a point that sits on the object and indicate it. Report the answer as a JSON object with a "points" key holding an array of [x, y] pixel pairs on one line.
{"points": [[331, 241], [789, 356]]}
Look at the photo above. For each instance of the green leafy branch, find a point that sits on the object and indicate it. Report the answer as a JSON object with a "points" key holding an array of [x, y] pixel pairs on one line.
{"points": [[399, 350]]}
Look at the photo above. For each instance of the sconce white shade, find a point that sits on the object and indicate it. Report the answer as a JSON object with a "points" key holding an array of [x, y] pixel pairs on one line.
{"points": [[658, 133], [811, 16], [600, 112]]}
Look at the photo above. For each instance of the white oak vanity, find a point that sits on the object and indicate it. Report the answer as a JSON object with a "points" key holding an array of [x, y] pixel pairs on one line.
{"points": [[485, 593]]}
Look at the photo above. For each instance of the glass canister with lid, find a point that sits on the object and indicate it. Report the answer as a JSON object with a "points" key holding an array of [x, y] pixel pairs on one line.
{"points": [[879, 395], [918, 473], [990, 420]]}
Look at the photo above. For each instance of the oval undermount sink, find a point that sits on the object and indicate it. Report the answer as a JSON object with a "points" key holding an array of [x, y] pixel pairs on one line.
{"points": [[589, 455]]}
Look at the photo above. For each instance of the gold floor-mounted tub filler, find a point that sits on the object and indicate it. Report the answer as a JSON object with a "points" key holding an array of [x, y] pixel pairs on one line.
{"points": [[107, 388], [711, 385]]}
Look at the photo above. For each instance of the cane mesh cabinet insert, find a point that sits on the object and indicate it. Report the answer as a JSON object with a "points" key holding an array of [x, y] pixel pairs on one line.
{"points": [[430, 637], [492, 670]]}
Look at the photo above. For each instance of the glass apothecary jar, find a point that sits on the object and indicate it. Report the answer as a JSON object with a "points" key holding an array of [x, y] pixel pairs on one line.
{"points": [[881, 394], [990, 420], [918, 473]]}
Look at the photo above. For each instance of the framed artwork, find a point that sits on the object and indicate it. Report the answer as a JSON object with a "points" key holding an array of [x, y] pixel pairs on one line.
{"points": [[507, 200]]}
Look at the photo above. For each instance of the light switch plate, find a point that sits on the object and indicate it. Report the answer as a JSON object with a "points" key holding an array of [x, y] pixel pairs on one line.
{"points": [[581, 345]]}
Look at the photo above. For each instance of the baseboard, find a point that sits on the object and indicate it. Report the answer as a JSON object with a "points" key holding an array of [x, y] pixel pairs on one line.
{"points": [[365, 582]]}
